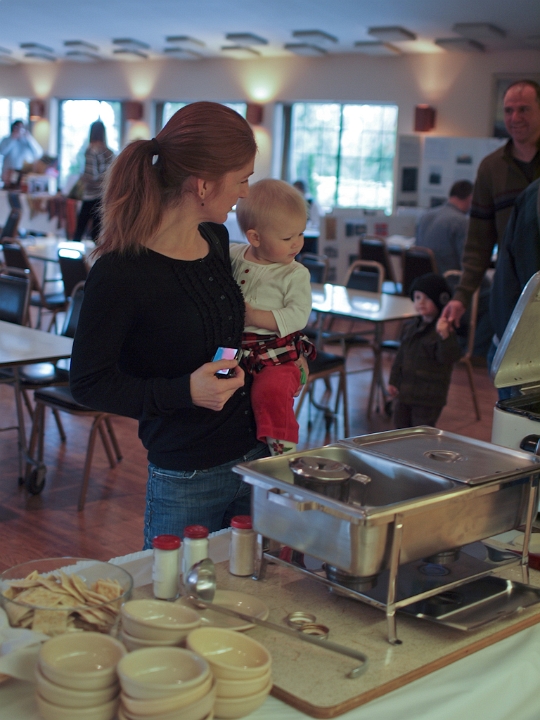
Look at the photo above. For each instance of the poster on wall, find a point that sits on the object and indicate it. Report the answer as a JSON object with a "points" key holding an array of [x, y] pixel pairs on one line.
{"points": [[448, 159]]}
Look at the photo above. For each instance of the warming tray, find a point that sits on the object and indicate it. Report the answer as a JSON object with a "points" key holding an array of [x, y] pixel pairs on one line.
{"points": [[446, 454]]}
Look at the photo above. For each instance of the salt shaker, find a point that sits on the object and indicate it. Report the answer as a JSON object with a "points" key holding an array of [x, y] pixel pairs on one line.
{"points": [[242, 548], [165, 569], [195, 546]]}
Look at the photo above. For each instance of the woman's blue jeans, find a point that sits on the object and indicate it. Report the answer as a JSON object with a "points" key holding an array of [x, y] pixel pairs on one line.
{"points": [[176, 499]]}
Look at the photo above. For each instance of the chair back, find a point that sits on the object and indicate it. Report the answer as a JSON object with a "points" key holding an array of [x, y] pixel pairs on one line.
{"points": [[12, 223], [71, 218], [317, 266], [373, 247], [416, 261], [73, 268], [365, 275], [73, 311], [15, 257], [14, 296]]}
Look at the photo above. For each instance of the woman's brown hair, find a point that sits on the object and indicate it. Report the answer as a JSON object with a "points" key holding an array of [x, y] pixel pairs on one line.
{"points": [[203, 140]]}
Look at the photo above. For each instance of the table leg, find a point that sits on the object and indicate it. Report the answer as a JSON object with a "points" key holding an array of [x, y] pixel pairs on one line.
{"points": [[21, 431]]}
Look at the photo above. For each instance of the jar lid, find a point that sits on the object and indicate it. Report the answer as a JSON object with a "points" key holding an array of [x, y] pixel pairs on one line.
{"points": [[166, 542], [195, 532], [242, 522]]}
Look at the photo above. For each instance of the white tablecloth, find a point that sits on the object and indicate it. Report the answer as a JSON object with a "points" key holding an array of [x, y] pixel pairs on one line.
{"points": [[497, 683]]}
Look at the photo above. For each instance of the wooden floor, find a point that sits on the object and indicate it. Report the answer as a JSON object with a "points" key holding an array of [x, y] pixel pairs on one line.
{"points": [[110, 525]]}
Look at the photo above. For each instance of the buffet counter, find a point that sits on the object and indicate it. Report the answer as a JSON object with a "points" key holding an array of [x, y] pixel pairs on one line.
{"points": [[437, 674]]}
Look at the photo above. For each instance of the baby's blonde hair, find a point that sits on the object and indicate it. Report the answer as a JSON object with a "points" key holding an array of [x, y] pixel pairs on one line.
{"points": [[265, 198]]}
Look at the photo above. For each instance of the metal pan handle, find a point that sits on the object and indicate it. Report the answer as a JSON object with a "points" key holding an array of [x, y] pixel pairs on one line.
{"points": [[279, 498]]}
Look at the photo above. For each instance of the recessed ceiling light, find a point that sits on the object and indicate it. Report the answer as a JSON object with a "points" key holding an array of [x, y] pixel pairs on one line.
{"points": [[479, 31], [315, 36], [460, 45], [82, 56], [246, 39], [376, 48], [131, 44], [40, 56], [305, 49], [36, 47], [131, 54], [392, 33], [80, 45], [184, 40], [240, 52], [182, 53]]}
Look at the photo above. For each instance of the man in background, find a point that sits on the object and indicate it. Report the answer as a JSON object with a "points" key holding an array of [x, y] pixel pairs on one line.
{"points": [[501, 177], [18, 148], [444, 229]]}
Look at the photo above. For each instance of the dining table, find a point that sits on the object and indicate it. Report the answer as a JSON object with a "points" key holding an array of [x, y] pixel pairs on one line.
{"points": [[375, 308], [21, 345]]}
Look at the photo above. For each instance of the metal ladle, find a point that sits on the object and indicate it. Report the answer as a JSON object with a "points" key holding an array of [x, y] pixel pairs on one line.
{"points": [[200, 584]]}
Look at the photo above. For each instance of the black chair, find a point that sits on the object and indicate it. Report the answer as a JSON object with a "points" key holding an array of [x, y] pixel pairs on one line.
{"points": [[416, 261], [12, 223], [367, 275], [373, 247], [15, 256], [60, 399], [73, 267], [317, 266]]}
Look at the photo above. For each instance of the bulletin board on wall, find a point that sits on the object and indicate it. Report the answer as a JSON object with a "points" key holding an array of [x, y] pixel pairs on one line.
{"points": [[501, 83]]}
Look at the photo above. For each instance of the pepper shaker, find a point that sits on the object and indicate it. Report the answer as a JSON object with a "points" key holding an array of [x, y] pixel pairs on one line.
{"points": [[165, 568]]}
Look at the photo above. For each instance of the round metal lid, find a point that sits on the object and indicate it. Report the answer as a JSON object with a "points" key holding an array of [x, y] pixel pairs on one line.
{"points": [[318, 468]]}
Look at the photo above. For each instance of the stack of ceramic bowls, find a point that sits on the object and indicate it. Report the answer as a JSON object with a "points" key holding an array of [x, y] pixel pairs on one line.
{"points": [[155, 623], [241, 666], [76, 677], [165, 683]]}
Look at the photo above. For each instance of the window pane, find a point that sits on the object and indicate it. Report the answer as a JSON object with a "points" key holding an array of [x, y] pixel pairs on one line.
{"points": [[11, 110], [76, 116], [169, 108]]}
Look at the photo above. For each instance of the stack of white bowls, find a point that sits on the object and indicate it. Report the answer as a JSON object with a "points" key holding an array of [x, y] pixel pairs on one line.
{"points": [[165, 683], [241, 666], [76, 677], [155, 623]]}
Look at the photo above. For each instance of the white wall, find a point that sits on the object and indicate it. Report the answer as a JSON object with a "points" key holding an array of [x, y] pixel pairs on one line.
{"points": [[459, 86]]}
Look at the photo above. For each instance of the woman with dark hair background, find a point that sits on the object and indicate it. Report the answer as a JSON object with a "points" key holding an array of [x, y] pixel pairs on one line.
{"points": [[97, 159], [159, 301]]}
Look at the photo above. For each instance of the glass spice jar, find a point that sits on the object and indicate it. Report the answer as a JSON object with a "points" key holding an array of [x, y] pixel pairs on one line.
{"points": [[195, 546], [165, 568], [242, 548]]}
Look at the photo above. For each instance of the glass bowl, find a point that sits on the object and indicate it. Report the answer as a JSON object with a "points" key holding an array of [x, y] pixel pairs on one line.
{"points": [[57, 595]]}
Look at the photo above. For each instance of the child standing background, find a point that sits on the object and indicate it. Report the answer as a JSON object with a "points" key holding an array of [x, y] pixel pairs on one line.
{"points": [[277, 292], [421, 373]]}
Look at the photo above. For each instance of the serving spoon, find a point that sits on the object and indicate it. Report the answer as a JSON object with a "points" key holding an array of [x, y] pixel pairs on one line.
{"points": [[200, 584]]}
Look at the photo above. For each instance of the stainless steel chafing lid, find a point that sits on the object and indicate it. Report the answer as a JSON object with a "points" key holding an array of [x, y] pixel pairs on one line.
{"points": [[318, 468], [517, 360], [448, 455]]}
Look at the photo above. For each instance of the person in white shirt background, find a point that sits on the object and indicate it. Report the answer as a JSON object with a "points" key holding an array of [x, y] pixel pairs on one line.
{"points": [[16, 149]]}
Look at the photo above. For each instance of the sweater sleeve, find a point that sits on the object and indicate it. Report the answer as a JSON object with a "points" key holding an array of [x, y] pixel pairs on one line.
{"points": [[294, 314], [108, 314]]}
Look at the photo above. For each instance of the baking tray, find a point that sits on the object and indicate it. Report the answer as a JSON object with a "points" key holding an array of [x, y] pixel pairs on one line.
{"points": [[452, 456]]}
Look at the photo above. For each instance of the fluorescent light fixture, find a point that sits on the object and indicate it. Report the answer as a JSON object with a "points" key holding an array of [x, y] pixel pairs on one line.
{"points": [[184, 40], [182, 53], [479, 31], [37, 48], [305, 49], [392, 33], [369, 47], [40, 56], [245, 38], [82, 56], [240, 52], [131, 44], [459, 45], [80, 45], [131, 54], [315, 36]]}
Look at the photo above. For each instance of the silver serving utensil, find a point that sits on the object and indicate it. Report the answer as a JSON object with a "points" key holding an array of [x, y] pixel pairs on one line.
{"points": [[200, 585]]}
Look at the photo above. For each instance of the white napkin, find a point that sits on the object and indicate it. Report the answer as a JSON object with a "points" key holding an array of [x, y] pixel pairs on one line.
{"points": [[19, 648]]}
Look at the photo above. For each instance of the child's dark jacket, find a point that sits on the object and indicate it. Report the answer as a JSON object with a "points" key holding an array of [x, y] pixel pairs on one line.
{"points": [[423, 365]]}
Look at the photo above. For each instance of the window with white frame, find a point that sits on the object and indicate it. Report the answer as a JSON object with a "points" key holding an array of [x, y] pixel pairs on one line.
{"points": [[344, 152], [165, 111], [12, 109]]}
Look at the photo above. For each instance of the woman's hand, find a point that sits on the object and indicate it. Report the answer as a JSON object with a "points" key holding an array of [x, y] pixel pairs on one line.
{"points": [[393, 391], [303, 366], [211, 392]]}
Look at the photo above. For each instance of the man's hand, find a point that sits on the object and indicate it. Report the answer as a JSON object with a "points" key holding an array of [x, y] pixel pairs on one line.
{"points": [[453, 312], [392, 391]]}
